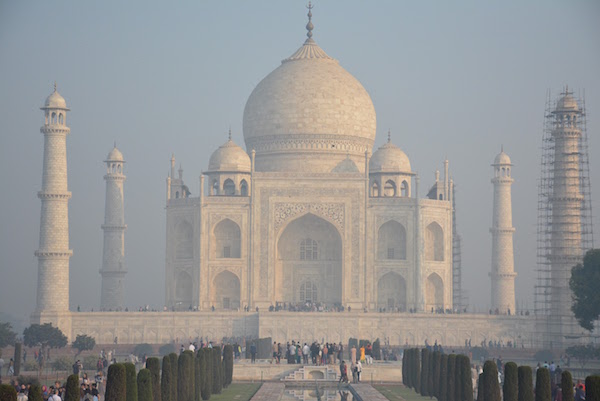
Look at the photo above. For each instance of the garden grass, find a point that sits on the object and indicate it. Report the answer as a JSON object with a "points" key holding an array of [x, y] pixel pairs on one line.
{"points": [[398, 392], [237, 392]]}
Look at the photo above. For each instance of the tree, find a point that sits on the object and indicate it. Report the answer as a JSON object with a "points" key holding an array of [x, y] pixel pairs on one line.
{"points": [[7, 335], [586, 298], [430, 376], [44, 336], [437, 359], [174, 372], [72, 388], [153, 365], [510, 390], [451, 378], [424, 391], [480, 389], [203, 375], [416, 373], [592, 388], [17, 358], [566, 385], [525, 383], [165, 380], [144, 385], [583, 353], [404, 381], [35, 392], [131, 378], [184, 377], [543, 392], [443, 378], [141, 350], [7, 393], [116, 383], [209, 371], [217, 370], [491, 387], [228, 365], [466, 383], [82, 343]]}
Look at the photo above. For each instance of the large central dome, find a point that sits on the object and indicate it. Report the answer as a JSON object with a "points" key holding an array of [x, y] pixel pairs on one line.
{"points": [[309, 114]]}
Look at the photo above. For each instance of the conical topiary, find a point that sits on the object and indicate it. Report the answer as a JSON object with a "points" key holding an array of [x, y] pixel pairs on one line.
{"points": [[525, 383], [72, 388], [116, 383], [144, 385], [424, 390], [131, 379], [166, 379], [566, 385], [153, 365], [174, 371], [510, 389], [443, 378], [451, 378], [491, 387]]}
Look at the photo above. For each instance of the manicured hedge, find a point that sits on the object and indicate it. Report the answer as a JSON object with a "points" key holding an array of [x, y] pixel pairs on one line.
{"points": [[510, 389], [153, 365], [566, 385], [72, 388], [443, 378], [166, 379], [423, 390], [543, 392], [131, 378], [174, 370], [592, 388], [491, 387], [144, 385], [227, 365], [525, 383], [116, 383]]}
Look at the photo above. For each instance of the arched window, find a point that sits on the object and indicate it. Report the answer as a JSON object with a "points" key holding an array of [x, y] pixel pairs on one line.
{"points": [[434, 242], [404, 190], [228, 187], [215, 188], [177, 195], [434, 292], [308, 292], [244, 188], [308, 250], [441, 197], [391, 241], [375, 190], [53, 118], [227, 239], [390, 188], [60, 118]]}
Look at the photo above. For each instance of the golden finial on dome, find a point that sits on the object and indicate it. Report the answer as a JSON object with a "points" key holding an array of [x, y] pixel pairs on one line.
{"points": [[389, 135], [54, 86], [230, 133], [309, 26]]}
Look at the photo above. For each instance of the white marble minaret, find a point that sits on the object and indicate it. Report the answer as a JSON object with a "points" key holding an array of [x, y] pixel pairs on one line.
{"points": [[53, 253], [503, 261], [113, 263]]}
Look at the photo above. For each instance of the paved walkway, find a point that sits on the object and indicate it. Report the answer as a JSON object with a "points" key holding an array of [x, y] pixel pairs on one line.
{"points": [[269, 392], [367, 393]]}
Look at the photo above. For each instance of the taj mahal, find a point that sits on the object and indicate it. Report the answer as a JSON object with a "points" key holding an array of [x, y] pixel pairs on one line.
{"points": [[308, 212]]}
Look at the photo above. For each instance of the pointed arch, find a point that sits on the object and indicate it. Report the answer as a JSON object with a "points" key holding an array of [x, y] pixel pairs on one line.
{"points": [[375, 190], [434, 242], [244, 188], [391, 241], [404, 189], [227, 239], [390, 188], [228, 187], [391, 292], [434, 292], [183, 289], [225, 291], [184, 240]]}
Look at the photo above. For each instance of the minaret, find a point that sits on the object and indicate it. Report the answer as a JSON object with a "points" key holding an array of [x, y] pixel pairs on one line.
{"points": [[503, 261], [53, 253], [113, 263], [566, 205]]}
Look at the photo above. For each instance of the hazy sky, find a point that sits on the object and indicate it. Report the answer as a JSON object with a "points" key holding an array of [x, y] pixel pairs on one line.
{"points": [[450, 79]]}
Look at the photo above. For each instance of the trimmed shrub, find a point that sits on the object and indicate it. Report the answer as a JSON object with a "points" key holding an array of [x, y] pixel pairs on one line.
{"points": [[116, 383], [167, 349], [131, 379], [228, 365], [491, 387], [143, 349], [416, 370], [174, 371], [166, 379], [430, 376], [144, 385], [7, 393], [217, 371], [35, 393], [17, 358], [566, 385], [436, 361], [480, 388], [209, 372], [458, 378], [451, 378], [466, 383], [185, 377], [197, 379], [423, 390], [443, 378], [376, 350], [72, 388], [543, 392], [510, 389], [153, 365], [592, 388], [525, 383], [404, 368]]}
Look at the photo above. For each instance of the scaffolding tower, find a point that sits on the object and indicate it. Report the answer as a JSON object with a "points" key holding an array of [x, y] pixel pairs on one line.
{"points": [[457, 294], [564, 228]]}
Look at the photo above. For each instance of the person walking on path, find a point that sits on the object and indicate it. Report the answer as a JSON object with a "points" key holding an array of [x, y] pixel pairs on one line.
{"points": [[343, 372]]}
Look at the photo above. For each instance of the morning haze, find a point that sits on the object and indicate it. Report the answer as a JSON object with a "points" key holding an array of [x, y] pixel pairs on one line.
{"points": [[448, 81]]}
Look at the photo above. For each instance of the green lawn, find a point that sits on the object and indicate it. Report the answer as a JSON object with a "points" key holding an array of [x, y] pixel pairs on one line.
{"points": [[237, 392], [398, 393]]}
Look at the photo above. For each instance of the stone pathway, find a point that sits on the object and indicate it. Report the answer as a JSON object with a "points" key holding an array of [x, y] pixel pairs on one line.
{"points": [[366, 392], [269, 392]]}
